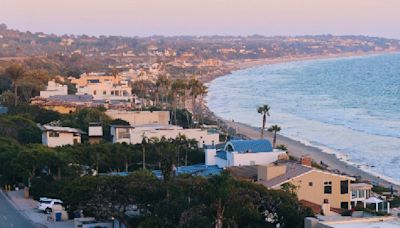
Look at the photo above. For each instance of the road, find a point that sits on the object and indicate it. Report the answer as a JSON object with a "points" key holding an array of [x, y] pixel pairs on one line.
{"points": [[10, 216]]}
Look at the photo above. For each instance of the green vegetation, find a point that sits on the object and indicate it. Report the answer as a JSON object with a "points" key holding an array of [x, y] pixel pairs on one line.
{"points": [[274, 129], [184, 201]]}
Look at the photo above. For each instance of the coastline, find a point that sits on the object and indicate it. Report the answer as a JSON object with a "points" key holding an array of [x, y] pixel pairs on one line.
{"points": [[297, 148]]}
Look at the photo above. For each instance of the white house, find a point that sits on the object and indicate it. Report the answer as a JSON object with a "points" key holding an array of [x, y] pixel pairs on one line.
{"points": [[53, 136], [53, 88], [107, 88], [135, 134], [243, 153]]}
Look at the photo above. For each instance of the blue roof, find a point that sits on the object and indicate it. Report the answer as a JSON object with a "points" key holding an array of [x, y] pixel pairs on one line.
{"points": [[254, 146], [221, 154], [199, 170]]}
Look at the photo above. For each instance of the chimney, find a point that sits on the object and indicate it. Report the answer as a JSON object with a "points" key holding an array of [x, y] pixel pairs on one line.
{"points": [[268, 172], [306, 160]]}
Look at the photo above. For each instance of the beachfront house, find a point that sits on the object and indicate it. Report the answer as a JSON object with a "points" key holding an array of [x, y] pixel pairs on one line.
{"points": [[243, 153], [140, 117], [135, 134], [315, 187], [54, 136]]}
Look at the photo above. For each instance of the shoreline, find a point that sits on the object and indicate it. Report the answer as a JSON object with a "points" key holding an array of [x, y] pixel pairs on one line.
{"points": [[297, 148], [251, 63]]}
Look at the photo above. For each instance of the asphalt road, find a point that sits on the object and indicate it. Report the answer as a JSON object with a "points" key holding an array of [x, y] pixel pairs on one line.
{"points": [[11, 217]]}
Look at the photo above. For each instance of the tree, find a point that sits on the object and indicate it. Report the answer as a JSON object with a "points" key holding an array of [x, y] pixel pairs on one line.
{"points": [[274, 129], [197, 89], [163, 85], [15, 73], [178, 89], [264, 111]]}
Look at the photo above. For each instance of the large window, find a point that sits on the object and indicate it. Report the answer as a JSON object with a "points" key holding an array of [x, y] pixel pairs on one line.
{"points": [[328, 187], [54, 134], [344, 205], [344, 187]]}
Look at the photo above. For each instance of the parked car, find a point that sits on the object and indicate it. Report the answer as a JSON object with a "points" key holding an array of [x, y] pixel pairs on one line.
{"points": [[47, 204]]}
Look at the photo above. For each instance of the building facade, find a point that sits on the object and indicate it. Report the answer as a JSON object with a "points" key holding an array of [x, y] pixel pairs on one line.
{"points": [[53, 136], [135, 134], [243, 153]]}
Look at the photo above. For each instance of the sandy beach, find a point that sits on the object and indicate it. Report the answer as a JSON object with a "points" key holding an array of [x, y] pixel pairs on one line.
{"points": [[297, 148]]}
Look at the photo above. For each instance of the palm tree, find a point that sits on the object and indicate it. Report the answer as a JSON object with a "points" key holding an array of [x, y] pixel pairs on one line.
{"points": [[274, 129], [177, 90], [15, 72], [144, 142], [264, 111], [197, 88]]}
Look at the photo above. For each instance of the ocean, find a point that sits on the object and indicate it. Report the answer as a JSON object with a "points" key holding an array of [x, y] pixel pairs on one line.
{"points": [[348, 106]]}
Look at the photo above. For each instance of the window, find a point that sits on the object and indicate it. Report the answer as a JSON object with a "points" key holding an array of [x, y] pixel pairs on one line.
{"points": [[310, 184], [361, 194], [328, 187], [344, 187], [354, 194], [123, 133], [104, 92], [75, 141], [94, 92], [344, 205], [54, 134]]}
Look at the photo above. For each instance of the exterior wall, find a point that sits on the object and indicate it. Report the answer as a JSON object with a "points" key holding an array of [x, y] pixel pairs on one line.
{"points": [[241, 159], [221, 163], [141, 117], [267, 172], [106, 91], [199, 135], [63, 139], [61, 109], [315, 193], [136, 135], [210, 158], [95, 131], [53, 89]]}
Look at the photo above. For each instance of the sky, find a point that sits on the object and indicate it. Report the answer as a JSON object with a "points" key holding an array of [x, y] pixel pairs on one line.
{"points": [[204, 17]]}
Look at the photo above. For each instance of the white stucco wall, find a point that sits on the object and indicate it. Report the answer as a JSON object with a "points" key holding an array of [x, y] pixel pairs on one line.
{"points": [[242, 159], [210, 158], [63, 139]]}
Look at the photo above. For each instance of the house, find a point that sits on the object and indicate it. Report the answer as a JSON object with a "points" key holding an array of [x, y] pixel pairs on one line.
{"points": [[103, 87], [318, 187], [134, 134], [53, 88], [140, 117], [53, 136], [243, 153], [95, 132]]}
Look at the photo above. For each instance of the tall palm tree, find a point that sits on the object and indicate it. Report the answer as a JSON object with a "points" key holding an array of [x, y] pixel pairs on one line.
{"points": [[197, 88], [144, 142], [178, 88], [14, 73], [264, 111], [274, 129]]}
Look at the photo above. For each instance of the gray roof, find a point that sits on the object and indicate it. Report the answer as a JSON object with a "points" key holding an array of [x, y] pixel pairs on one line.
{"points": [[60, 129], [254, 146], [292, 170], [72, 98]]}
